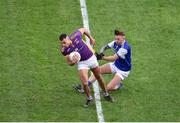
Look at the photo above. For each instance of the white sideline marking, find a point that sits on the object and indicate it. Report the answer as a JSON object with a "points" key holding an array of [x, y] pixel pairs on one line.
{"points": [[95, 84]]}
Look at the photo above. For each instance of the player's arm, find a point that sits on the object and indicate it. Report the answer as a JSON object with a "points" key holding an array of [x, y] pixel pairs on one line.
{"points": [[69, 62], [120, 54], [110, 58], [101, 53], [86, 32], [107, 46], [104, 48]]}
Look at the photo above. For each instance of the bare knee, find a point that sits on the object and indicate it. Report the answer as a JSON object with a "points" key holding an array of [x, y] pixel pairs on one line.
{"points": [[98, 76], [84, 80], [85, 84], [110, 88]]}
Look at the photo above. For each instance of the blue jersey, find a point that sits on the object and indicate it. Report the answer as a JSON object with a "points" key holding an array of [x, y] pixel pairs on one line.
{"points": [[123, 51]]}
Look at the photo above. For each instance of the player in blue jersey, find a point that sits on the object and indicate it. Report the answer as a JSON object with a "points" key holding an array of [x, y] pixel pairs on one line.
{"points": [[120, 62]]}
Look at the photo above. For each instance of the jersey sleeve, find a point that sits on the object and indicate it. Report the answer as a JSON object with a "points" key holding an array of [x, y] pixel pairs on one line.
{"points": [[111, 44], [75, 34], [122, 52], [79, 33]]}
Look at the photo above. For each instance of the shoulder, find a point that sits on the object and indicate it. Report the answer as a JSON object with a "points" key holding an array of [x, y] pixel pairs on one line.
{"points": [[126, 45], [111, 44], [75, 34]]}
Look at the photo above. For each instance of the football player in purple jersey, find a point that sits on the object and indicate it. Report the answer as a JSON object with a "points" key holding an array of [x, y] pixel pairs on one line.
{"points": [[74, 42]]}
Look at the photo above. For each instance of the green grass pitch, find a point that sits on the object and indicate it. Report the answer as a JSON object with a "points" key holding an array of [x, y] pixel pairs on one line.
{"points": [[36, 84]]}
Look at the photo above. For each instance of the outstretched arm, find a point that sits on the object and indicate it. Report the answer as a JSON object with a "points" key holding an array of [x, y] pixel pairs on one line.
{"points": [[86, 32], [120, 54], [110, 58], [104, 48], [107, 46]]}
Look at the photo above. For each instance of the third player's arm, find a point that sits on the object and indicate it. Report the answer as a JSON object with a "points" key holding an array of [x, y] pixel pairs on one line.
{"points": [[86, 32]]}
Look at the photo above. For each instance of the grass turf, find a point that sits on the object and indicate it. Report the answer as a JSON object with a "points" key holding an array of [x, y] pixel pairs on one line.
{"points": [[35, 82], [152, 28]]}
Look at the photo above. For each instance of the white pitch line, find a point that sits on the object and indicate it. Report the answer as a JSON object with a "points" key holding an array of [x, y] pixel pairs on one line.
{"points": [[95, 84]]}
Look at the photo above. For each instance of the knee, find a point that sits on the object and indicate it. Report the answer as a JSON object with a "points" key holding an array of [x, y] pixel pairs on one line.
{"points": [[85, 84], [84, 80], [98, 76], [110, 88]]}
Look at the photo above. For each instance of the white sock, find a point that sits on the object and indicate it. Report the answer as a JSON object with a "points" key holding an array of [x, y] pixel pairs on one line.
{"points": [[90, 98], [105, 93]]}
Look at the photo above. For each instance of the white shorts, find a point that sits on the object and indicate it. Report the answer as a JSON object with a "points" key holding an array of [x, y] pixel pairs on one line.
{"points": [[88, 64], [120, 73]]}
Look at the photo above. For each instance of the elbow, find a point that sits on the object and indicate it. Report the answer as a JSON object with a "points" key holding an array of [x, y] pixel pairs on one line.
{"points": [[70, 64], [113, 59], [92, 42]]}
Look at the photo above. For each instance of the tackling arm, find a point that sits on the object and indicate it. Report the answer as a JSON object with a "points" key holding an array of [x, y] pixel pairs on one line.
{"points": [[101, 53], [104, 48], [121, 53], [110, 58]]}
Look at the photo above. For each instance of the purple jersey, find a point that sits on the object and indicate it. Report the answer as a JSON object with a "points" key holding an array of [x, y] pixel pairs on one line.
{"points": [[78, 45]]}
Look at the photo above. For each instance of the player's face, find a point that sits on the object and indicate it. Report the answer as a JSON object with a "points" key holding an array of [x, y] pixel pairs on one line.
{"points": [[66, 42], [119, 39]]}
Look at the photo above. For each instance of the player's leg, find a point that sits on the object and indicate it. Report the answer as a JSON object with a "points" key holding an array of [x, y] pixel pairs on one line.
{"points": [[115, 83], [104, 69], [98, 76], [83, 73]]}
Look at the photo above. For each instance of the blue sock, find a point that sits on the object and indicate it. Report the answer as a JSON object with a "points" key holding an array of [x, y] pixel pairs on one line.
{"points": [[89, 83]]}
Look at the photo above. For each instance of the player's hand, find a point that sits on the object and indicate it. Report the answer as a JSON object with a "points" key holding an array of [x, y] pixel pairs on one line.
{"points": [[75, 59], [99, 56], [93, 42]]}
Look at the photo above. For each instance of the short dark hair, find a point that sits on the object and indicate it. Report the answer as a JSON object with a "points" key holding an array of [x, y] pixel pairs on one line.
{"points": [[118, 32], [62, 36]]}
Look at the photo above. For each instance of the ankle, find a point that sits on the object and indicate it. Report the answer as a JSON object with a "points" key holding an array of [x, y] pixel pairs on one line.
{"points": [[105, 93], [89, 83], [89, 98]]}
